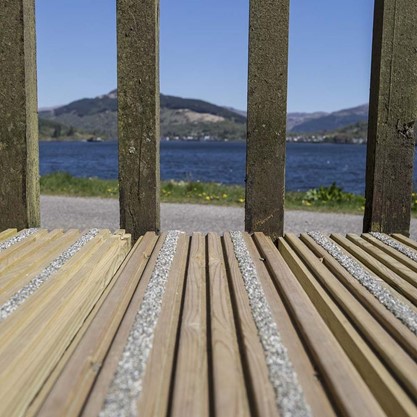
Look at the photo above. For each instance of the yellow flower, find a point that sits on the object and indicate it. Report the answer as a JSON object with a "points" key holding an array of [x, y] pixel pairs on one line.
{"points": [[224, 195], [208, 198], [241, 200]]}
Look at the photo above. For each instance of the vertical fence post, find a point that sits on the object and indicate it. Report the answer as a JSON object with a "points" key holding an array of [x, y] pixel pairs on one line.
{"points": [[392, 115], [267, 109], [19, 153], [138, 96]]}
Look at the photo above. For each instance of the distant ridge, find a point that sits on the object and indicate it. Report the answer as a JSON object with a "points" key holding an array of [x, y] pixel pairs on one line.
{"points": [[184, 118], [333, 121]]}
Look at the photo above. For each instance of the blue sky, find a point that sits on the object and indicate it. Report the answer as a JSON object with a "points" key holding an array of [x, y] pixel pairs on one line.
{"points": [[204, 51]]}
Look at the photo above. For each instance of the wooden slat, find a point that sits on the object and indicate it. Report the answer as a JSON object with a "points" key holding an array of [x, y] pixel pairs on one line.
{"points": [[19, 153], [98, 393], [409, 263], [59, 350], [395, 281], [229, 392], [405, 240], [306, 371], [14, 280], [156, 381], [395, 265], [392, 115], [190, 386], [15, 248], [345, 386], [6, 234], [73, 385], [393, 356], [154, 400], [260, 389], [53, 329], [23, 255], [267, 109], [49, 383], [394, 326], [382, 384], [138, 115]]}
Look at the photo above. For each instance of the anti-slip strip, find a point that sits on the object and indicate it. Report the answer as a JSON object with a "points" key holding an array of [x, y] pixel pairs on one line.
{"points": [[126, 386], [289, 395], [24, 293], [392, 303]]}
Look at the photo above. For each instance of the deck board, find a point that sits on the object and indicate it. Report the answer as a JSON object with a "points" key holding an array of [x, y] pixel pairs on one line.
{"points": [[63, 348], [381, 382], [229, 390], [253, 357], [190, 386], [342, 380]]}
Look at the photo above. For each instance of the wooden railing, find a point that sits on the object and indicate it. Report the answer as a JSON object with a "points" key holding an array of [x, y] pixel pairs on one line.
{"points": [[391, 138]]}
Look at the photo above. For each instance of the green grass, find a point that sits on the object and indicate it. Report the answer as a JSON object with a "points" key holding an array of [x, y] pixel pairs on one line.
{"points": [[330, 198], [62, 183]]}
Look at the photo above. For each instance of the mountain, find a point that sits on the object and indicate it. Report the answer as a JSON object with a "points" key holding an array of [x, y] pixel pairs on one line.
{"points": [[355, 133], [332, 121], [187, 118], [180, 117], [49, 129], [295, 119], [318, 122]]}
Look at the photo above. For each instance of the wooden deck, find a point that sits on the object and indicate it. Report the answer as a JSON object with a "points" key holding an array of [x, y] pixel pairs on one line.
{"points": [[207, 325]]}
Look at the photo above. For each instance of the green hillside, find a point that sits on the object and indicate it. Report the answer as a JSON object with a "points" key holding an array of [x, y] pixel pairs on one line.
{"points": [[195, 119], [333, 121], [49, 129], [180, 117]]}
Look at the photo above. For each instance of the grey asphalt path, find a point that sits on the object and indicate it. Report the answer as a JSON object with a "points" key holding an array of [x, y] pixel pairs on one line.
{"points": [[83, 213]]}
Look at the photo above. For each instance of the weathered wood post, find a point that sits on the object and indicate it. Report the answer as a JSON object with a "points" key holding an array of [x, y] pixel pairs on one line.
{"points": [[19, 154], [392, 115], [267, 109], [138, 95]]}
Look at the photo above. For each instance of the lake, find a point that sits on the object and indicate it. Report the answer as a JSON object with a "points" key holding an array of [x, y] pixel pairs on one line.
{"points": [[308, 165]]}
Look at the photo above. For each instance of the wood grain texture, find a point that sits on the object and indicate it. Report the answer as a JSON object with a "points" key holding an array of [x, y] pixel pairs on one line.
{"points": [[347, 389], [307, 372], [54, 375], [267, 109], [21, 271], [72, 386], [15, 279], [394, 253], [7, 234], [16, 247], [391, 263], [20, 256], [190, 386], [138, 115], [397, 360], [59, 350], [383, 385], [392, 116], [25, 366], [19, 149], [154, 399], [99, 391], [259, 386], [394, 280], [230, 396], [387, 319], [405, 240]]}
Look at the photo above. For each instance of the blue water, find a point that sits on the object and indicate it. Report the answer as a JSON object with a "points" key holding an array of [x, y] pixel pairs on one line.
{"points": [[308, 165]]}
